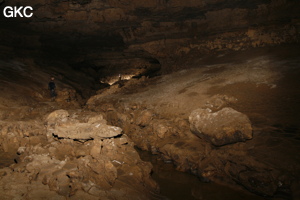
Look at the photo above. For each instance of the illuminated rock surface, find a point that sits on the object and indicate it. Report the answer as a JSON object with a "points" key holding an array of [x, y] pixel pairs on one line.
{"points": [[222, 127]]}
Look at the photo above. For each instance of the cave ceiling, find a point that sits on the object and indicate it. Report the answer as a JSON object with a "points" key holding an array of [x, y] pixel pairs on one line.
{"points": [[126, 36]]}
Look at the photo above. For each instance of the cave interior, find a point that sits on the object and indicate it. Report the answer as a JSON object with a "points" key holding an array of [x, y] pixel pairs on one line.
{"points": [[158, 99]]}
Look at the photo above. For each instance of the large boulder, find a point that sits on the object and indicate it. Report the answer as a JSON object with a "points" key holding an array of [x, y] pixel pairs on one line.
{"points": [[220, 128]]}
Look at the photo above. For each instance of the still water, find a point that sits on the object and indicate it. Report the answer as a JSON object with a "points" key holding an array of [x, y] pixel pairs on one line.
{"points": [[177, 185]]}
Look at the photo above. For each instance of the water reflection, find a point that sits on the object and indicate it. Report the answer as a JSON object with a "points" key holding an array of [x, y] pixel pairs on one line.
{"points": [[176, 185]]}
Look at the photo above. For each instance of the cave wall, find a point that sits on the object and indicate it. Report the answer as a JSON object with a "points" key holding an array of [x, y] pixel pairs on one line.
{"points": [[124, 37]]}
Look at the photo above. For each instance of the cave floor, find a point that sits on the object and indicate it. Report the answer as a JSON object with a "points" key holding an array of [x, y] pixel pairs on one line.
{"points": [[263, 84]]}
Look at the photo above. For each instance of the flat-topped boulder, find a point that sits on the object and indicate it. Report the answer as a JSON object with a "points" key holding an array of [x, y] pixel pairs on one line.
{"points": [[62, 126], [86, 131]]}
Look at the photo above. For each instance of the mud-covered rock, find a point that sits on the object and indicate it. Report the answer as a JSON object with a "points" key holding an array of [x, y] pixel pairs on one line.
{"points": [[61, 125], [85, 131], [255, 176], [220, 128], [19, 133], [161, 130], [57, 115], [144, 118], [66, 95], [218, 102], [67, 168]]}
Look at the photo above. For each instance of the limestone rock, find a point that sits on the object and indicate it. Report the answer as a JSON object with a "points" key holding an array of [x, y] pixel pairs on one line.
{"points": [[220, 128], [144, 118], [62, 126], [58, 115], [95, 149], [85, 131], [161, 129], [261, 181], [97, 118], [5, 171], [219, 101], [66, 95]]}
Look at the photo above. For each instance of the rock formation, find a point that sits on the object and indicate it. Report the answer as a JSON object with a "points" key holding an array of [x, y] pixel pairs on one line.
{"points": [[173, 141], [94, 129], [222, 127], [238, 59], [140, 37], [79, 159], [157, 120]]}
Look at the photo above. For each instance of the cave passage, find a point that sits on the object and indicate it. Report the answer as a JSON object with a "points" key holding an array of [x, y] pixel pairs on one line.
{"points": [[160, 99]]}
